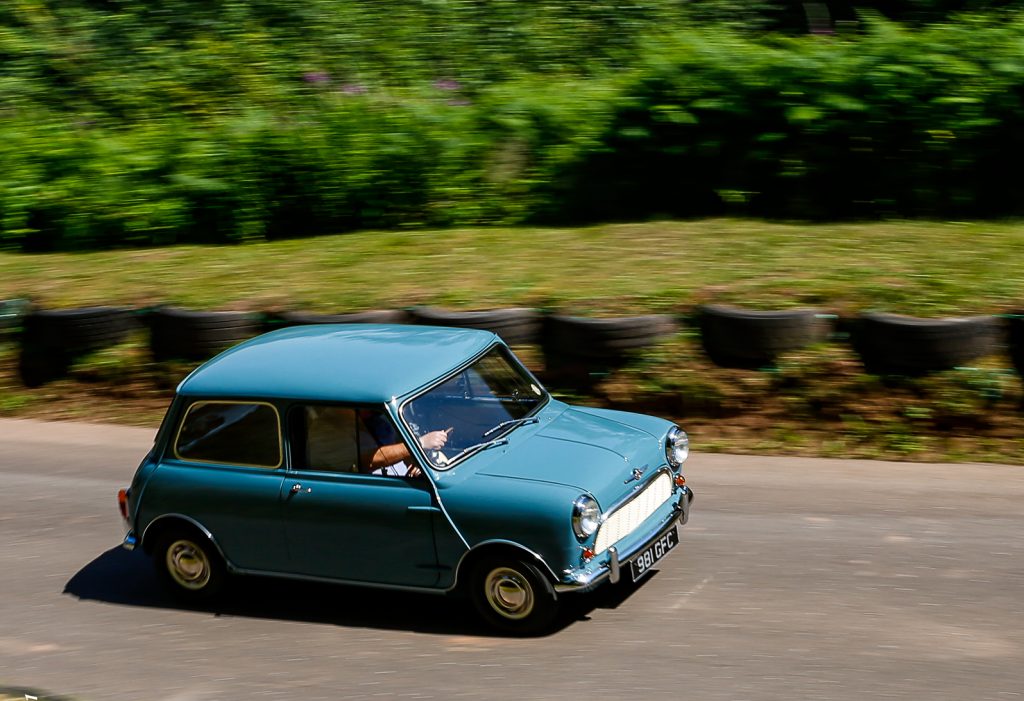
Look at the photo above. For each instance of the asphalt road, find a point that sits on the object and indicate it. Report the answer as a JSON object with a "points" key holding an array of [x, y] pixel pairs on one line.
{"points": [[795, 579]]}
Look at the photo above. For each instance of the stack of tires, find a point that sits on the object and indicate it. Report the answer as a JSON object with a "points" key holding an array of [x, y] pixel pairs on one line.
{"points": [[1015, 333], [52, 339], [516, 326], [891, 344], [184, 334], [742, 338], [374, 316], [580, 351]]}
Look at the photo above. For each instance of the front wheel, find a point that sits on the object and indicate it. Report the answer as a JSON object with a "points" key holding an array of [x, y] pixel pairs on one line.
{"points": [[513, 596], [189, 565]]}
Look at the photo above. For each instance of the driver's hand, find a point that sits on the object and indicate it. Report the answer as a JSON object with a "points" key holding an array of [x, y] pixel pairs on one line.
{"points": [[434, 440]]}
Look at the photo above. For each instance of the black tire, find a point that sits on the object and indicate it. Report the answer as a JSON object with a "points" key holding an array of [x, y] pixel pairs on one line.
{"points": [[578, 351], [574, 337], [890, 344], [76, 331], [1015, 332], [742, 338], [516, 326], [188, 564], [183, 334], [512, 595], [373, 316], [52, 338]]}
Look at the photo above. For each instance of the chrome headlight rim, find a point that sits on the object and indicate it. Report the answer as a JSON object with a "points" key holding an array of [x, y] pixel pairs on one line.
{"points": [[586, 516], [677, 447]]}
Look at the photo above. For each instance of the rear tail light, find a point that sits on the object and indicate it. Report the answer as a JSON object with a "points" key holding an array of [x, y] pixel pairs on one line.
{"points": [[122, 503]]}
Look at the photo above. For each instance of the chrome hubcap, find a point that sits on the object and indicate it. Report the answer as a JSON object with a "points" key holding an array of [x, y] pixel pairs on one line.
{"points": [[509, 593], [188, 564]]}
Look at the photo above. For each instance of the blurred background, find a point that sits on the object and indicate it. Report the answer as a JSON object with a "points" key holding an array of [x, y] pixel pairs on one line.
{"points": [[638, 159], [124, 122]]}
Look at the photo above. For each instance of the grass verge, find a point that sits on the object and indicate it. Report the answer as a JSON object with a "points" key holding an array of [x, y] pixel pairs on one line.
{"points": [[814, 402]]}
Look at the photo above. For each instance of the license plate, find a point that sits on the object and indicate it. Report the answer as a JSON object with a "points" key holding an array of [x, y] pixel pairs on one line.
{"points": [[643, 562]]}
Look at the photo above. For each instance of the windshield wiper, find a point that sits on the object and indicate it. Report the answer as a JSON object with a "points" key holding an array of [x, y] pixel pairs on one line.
{"points": [[481, 446], [516, 398], [511, 422]]}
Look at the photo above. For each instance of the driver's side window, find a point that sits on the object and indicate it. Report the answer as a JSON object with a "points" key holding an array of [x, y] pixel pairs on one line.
{"points": [[335, 438]]}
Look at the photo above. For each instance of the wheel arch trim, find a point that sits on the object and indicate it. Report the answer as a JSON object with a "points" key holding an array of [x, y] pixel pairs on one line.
{"points": [[500, 544], [163, 518]]}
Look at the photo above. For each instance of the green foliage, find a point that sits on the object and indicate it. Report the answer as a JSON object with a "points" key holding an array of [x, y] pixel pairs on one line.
{"points": [[132, 123], [893, 122]]}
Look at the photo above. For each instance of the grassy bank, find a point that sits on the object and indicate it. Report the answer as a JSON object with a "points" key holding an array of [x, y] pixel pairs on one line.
{"points": [[815, 402], [921, 268]]}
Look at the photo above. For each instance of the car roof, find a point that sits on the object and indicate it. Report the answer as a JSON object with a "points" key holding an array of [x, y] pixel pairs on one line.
{"points": [[359, 363]]}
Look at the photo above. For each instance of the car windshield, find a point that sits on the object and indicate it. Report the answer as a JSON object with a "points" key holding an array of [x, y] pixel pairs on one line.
{"points": [[476, 407]]}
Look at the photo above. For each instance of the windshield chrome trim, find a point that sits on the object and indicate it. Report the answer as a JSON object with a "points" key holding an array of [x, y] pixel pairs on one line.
{"points": [[418, 450]]}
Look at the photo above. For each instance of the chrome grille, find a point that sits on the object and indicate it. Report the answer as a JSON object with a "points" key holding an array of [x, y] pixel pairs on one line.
{"points": [[624, 520]]}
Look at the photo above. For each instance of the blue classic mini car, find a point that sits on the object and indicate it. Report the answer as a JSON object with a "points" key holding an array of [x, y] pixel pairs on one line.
{"points": [[407, 457]]}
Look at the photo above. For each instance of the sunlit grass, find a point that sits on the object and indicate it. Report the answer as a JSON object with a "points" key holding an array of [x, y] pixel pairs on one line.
{"points": [[815, 402], [922, 268]]}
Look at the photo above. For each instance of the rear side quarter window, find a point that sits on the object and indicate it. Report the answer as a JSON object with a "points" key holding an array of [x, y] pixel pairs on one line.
{"points": [[230, 433]]}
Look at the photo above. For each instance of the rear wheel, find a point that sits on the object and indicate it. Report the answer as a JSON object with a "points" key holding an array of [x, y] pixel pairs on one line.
{"points": [[512, 595], [189, 565]]}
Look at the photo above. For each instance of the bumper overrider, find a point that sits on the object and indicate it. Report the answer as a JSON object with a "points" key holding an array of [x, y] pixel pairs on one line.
{"points": [[587, 578]]}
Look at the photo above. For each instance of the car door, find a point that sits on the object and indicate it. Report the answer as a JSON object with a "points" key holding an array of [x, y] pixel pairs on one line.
{"points": [[224, 470], [365, 528], [343, 523]]}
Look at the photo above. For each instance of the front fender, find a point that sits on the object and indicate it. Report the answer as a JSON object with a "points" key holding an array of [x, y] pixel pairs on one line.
{"points": [[534, 516]]}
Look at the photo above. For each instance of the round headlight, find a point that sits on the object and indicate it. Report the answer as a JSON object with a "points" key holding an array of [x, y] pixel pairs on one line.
{"points": [[677, 446], [586, 515]]}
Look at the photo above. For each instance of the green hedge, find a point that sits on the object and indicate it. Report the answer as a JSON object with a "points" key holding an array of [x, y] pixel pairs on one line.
{"points": [[896, 122], [131, 123]]}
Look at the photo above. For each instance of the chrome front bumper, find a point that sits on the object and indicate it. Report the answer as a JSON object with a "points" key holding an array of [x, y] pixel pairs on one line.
{"points": [[588, 579]]}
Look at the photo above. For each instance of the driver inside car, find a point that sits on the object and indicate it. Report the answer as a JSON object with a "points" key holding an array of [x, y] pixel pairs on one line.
{"points": [[339, 438], [392, 456]]}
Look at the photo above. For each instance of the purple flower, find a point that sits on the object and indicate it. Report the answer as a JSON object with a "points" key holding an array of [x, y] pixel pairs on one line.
{"points": [[317, 77]]}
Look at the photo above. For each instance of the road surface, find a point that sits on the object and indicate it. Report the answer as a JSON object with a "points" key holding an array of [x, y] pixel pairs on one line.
{"points": [[795, 579]]}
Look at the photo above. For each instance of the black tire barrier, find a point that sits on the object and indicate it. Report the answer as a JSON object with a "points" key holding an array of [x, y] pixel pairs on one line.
{"points": [[743, 338], [891, 344], [185, 334], [516, 326], [373, 316], [12, 311], [578, 351], [51, 339], [1015, 336]]}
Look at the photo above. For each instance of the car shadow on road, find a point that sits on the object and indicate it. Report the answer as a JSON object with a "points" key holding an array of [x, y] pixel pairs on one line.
{"points": [[127, 579]]}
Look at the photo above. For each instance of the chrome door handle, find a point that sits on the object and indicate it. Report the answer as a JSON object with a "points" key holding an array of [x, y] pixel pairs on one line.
{"points": [[296, 488]]}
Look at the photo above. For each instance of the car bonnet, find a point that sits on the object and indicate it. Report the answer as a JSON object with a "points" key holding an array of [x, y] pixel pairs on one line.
{"points": [[591, 453]]}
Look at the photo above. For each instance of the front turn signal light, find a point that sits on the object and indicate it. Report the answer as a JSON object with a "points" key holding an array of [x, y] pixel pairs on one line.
{"points": [[680, 481]]}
